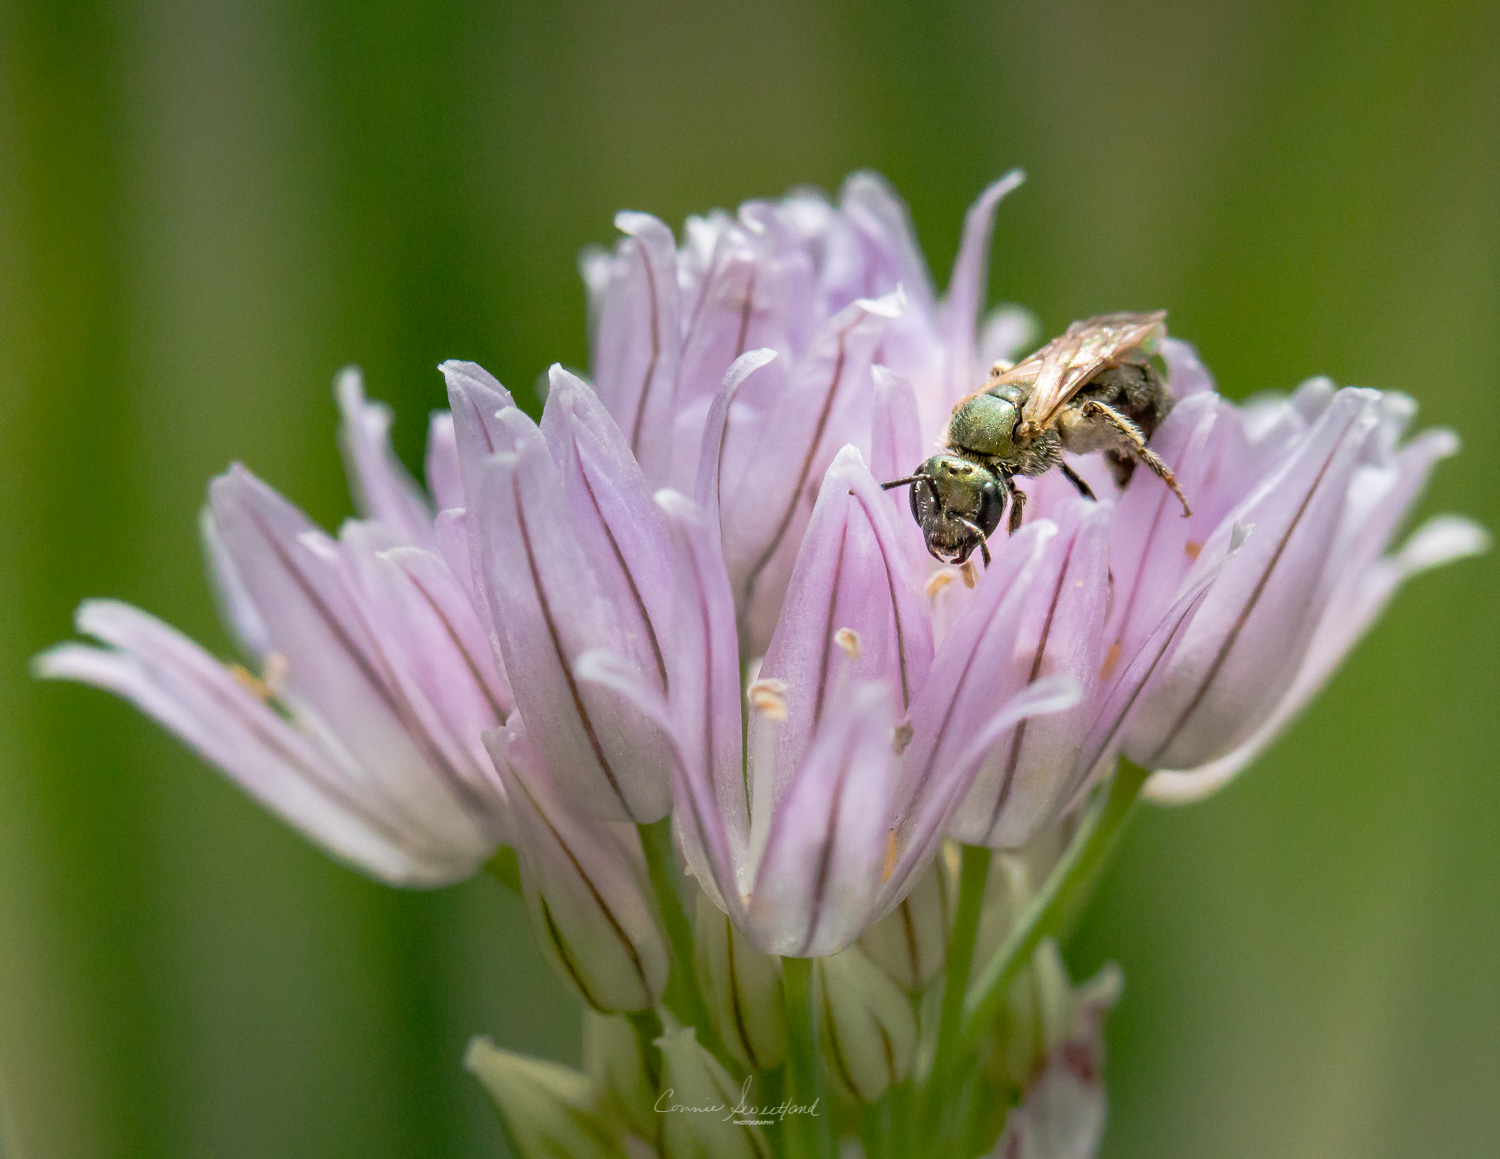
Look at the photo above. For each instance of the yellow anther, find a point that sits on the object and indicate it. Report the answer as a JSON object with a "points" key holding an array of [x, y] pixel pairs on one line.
{"points": [[768, 697]]}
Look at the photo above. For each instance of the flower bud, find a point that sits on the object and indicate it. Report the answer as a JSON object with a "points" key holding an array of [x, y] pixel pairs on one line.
{"points": [[742, 987], [1054, 1051], [868, 1030], [585, 887], [698, 1105], [549, 1109], [1047, 1019], [911, 942], [615, 1060]]}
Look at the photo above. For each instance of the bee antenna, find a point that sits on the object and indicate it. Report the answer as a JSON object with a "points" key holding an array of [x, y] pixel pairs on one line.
{"points": [[900, 482]]}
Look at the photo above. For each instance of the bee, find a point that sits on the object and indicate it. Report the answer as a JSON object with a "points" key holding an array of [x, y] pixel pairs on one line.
{"points": [[1099, 386]]}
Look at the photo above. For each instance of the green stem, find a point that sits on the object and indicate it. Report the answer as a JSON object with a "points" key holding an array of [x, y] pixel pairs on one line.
{"points": [[973, 873], [807, 1136], [1049, 908], [681, 997], [504, 867], [647, 1027]]}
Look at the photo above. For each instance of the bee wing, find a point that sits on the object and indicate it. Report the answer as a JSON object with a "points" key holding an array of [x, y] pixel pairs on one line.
{"points": [[1080, 352]]}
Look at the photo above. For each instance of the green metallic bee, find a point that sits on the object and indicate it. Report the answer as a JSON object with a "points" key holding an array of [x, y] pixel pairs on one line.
{"points": [[1100, 386]]}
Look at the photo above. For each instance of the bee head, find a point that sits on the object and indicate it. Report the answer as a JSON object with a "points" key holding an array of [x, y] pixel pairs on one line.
{"points": [[957, 503]]}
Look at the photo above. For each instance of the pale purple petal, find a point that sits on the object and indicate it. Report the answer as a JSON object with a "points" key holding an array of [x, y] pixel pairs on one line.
{"points": [[1024, 782], [767, 481], [819, 874], [1438, 542], [972, 672], [334, 671], [449, 653], [1241, 651], [896, 447], [710, 467], [1007, 333], [712, 812], [913, 841], [612, 516], [1186, 374], [383, 490], [638, 348], [314, 789], [883, 226], [444, 474], [235, 605], [475, 400], [850, 574], [585, 885], [549, 608], [968, 287]]}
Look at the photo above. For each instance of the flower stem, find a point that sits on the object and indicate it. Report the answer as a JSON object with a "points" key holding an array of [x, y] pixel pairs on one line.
{"points": [[681, 997], [647, 1027], [973, 873], [1048, 910], [806, 1132]]}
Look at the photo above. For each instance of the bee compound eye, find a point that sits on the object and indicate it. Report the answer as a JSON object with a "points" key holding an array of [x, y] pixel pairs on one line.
{"points": [[991, 506]]}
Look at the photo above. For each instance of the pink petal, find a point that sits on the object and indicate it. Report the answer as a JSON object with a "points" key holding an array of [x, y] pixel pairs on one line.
{"points": [[638, 345], [181, 686], [820, 873], [850, 574], [382, 488], [1025, 781], [549, 608], [1440, 541], [968, 287], [585, 886], [1240, 652], [612, 515]]}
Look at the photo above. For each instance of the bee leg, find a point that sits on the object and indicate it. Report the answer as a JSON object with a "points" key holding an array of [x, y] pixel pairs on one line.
{"points": [[1017, 508], [1093, 408], [1077, 480], [984, 548]]}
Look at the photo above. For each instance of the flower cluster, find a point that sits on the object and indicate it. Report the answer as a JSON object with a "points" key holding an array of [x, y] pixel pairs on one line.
{"points": [[673, 646]]}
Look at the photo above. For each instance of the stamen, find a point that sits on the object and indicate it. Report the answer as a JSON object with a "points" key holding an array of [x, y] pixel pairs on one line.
{"points": [[940, 579], [768, 697], [1111, 660], [848, 640], [1192, 549], [274, 672], [970, 573], [892, 849], [902, 737], [258, 687]]}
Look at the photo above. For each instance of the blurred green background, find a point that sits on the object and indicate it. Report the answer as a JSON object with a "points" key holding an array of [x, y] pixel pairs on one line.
{"points": [[207, 208]]}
